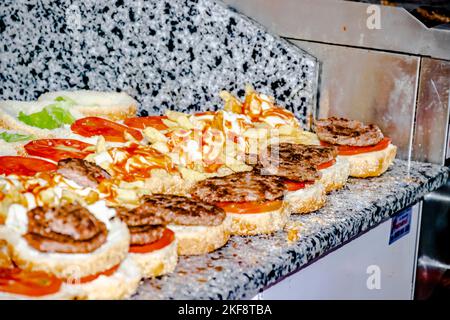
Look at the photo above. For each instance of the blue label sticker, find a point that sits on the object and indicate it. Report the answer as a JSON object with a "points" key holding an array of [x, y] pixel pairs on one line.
{"points": [[401, 224]]}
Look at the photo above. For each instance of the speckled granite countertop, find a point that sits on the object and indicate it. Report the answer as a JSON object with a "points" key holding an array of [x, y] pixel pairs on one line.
{"points": [[248, 264], [175, 54]]}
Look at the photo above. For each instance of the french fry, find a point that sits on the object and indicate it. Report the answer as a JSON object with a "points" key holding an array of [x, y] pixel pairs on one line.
{"points": [[153, 135], [180, 118], [161, 147], [192, 175], [170, 123], [232, 104], [286, 130], [100, 145]]}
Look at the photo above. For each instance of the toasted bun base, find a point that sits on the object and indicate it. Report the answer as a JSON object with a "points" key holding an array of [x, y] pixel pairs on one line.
{"points": [[306, 200], [371, 164], [195, 240], [122, 284], [156, 263], [5, 262], [64, 265], [111, 105], [259, 223], [335, 177]]}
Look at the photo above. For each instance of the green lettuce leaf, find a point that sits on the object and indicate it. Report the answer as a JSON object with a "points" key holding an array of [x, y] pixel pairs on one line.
{"points": [[60, 114], [51, 117], [15, 137]]}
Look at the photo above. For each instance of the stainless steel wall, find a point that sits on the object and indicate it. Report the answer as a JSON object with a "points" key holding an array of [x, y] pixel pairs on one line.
{"points": [[371, 86], [431, 131], [349, 24], [374, 75]]}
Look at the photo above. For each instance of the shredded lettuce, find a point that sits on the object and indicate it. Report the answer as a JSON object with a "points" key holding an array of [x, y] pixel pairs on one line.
{"points": [[15, 137], [65, 99], [60, 114], [51, 117]]}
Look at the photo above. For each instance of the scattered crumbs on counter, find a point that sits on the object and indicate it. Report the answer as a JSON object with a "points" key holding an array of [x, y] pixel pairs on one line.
{"points": [[410, 180], [292, 229]]}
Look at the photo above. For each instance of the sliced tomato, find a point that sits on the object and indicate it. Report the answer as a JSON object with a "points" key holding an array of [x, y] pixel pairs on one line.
{"points": [[167, 238], [144, 122], [92, 277], [326, 164], [205, 113], [351, 150], [28, 283], [58, 149], [294, 185], [250, 206], [23, 166], [111, 131]]}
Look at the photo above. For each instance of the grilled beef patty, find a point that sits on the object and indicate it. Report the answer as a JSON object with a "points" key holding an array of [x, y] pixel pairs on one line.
{"points": [[83, 172], [145, 234], [182, 210], [69, 228], [347, 132], [293, 161], [143, 215], [290, 169], [312, 154], [144, 226], [240, 187]]}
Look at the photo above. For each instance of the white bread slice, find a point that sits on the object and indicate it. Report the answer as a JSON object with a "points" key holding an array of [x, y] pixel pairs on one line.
{"points": [[249, 224], [158, 262], [65, 265], [196, 240], [111, 105], [9, 112], [371, 164], [306, 200], [335, 177]]}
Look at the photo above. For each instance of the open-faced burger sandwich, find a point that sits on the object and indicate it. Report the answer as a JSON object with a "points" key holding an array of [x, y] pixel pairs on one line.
{"points": [[334, 171], [199, 227], [305, 193], [252, 201], [369, 152], [153, 246], [84, 247]]}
